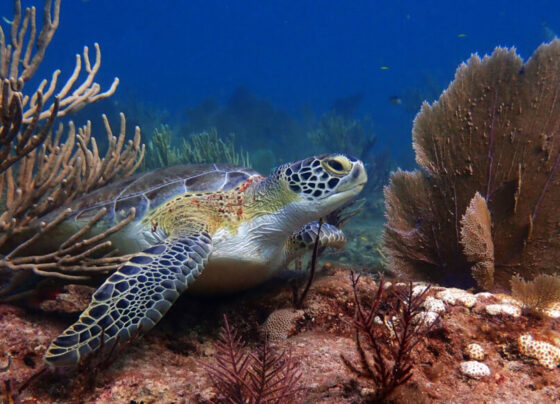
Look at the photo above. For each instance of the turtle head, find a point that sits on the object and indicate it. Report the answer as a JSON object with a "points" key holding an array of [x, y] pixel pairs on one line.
{"points": [[320, 184]]}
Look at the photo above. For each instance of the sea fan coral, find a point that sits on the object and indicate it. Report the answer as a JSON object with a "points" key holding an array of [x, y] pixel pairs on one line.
{"points": [[539, 294], [476, 238], [494, 131]]}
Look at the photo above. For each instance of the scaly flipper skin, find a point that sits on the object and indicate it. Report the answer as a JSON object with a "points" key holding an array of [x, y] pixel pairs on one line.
{"points": [[304, 239], [137, 295]]}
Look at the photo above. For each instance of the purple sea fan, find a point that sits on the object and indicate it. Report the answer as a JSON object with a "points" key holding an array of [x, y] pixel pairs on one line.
{"points": [[494, 131]]}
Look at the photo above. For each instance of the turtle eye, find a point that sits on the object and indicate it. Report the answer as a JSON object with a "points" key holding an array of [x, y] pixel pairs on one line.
{"points": [[338, 165]]}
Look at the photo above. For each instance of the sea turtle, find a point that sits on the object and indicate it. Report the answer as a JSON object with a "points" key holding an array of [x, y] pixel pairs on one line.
{"points": [[208, 228]]}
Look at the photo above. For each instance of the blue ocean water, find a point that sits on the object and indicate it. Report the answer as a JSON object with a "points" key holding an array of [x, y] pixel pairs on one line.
{"points": [[297, 55]]}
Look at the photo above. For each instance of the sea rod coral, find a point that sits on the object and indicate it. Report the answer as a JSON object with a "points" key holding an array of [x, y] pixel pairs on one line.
{"points": [[486, 197], [39, 172]]}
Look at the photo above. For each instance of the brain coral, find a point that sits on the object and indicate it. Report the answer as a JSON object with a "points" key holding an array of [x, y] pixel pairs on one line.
{"points": [[475, 369], [546, 354], [475, 352], [489, 153], [280, 323]]}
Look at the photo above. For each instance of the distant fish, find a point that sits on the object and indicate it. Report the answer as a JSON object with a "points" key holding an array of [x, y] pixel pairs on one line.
{"points": [[396, 100], [7, 21], [384, 67], [462, 35]]}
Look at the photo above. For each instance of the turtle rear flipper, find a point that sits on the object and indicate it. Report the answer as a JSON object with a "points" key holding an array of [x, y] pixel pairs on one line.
{"points": [[135, 297]]}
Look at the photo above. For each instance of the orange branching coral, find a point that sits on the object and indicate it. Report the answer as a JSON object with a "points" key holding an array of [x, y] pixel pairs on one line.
{"points": [[18, 108], [38, 172], [476, 238], [29, 56], [56, 173], [494, 131]]}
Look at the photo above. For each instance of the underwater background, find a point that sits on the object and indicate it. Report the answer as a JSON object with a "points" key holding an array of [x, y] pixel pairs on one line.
{"points": [[272, 81], [280, 66], [447, 289]]}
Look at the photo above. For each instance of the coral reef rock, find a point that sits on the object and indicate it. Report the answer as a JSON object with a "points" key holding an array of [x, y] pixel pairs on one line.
{"points": [[165, 365]]}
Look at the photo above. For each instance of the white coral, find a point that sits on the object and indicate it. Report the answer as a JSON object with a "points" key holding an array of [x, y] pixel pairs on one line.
{"points": [[418, 289], [546, 354], [433, 304], [475, 369], [457, 296], [508, 309], [427, 317], [553, 311], [507, 299], [475, 352]]}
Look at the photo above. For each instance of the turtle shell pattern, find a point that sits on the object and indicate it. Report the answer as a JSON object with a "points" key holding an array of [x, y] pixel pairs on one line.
{"points": [[146, 191]]}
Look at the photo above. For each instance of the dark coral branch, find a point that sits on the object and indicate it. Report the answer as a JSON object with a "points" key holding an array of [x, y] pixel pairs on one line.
{"points": [[390, 340], [298, 301], [267, 376]]}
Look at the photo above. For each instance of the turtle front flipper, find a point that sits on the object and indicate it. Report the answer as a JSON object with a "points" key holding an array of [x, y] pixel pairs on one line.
{"points": [[134, 298], [304, 239]]}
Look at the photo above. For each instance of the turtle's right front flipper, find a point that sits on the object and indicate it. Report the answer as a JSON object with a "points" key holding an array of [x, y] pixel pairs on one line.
{"points": [[304, 239], [137, 295]]}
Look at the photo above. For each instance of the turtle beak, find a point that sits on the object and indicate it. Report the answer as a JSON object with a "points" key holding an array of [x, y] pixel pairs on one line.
{"points": [[355, 180]]}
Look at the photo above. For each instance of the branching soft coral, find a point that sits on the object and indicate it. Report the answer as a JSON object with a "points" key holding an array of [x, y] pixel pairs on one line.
{"points": [[39, 172], [267, 376], [494, 131], [387, 333]]}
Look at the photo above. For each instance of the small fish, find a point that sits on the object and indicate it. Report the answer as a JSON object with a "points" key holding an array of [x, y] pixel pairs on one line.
{"points": [[384, 67], [395, 100], [363, 238], [462, 35], [7, 21]]}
